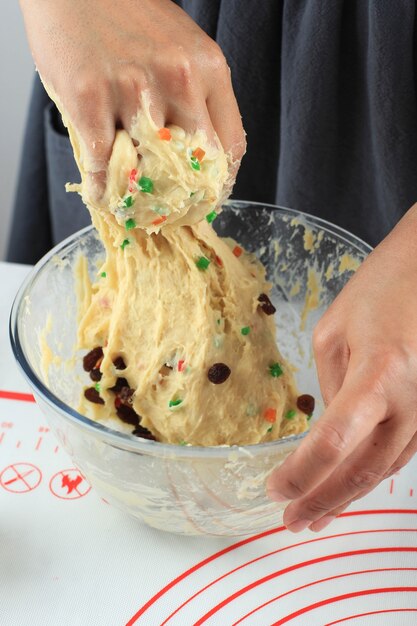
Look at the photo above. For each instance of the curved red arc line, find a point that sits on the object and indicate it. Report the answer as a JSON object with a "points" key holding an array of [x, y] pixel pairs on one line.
{"points": [[323, 580], [15, 395], [239, 544], [379, 512], [284, 549], [25, 397], [346, 619], [198, 566], [345, 596], [292, 568]]}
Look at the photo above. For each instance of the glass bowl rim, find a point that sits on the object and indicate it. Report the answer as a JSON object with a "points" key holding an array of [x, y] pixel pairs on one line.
{"points": [[125, 440]]}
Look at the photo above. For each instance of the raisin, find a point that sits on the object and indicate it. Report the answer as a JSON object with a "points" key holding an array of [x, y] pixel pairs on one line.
{"points": [[126, 394], [96, 375], [306, 404], [120, 383], [93, 395], [128, 415], [119, 363], [266, 304], [218, 373], [141, 431], [90, 359]]}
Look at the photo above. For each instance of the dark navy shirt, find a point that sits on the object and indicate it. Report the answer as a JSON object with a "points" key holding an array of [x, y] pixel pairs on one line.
{"points": [[327, 92]]}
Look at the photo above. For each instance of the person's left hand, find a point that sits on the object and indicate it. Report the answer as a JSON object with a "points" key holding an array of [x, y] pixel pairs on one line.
{"points": [[366, 356]]}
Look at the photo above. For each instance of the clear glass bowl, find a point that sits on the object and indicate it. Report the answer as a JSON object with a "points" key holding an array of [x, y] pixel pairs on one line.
{"points": [[181, 489]]}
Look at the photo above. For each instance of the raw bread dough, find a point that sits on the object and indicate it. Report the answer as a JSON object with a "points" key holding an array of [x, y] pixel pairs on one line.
{"points": [[174, 300], [184, 189]]}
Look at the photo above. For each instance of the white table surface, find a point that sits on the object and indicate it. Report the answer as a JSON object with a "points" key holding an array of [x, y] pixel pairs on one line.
{"points": [[78, 562]]}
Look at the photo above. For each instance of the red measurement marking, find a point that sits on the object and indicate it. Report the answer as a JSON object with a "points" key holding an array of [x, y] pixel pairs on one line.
{"points": [[56, 449], [311, 562], [43, 429], [345, 596], [323, 580], [14, 395], [296, 545], [20, 477], [6, 424], [411, 493], [38, 445], [69, 484], [391, 486], [1, 437], [267, 533], [18, 444], [347, 619]]}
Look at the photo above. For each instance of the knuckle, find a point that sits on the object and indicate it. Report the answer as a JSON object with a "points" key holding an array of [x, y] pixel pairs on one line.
{"points": [[362, 479], [330, 444], [132, 82], [176, 71], [315, 508], [322, 338], [339, 509], [88, 88], [292, 490], [216, 59], [181, 71], [392, 363], [84, 82]]}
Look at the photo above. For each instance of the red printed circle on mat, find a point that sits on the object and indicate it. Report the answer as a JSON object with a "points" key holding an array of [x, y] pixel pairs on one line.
{"points": [[258, 588], [20, 477], [69, 484]]}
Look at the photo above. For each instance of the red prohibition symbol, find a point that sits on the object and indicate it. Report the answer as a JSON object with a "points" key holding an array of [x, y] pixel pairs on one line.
{"points": [[69, 484], [20, 477]]}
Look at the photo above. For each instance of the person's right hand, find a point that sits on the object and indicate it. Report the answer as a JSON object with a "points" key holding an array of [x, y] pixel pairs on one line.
{"points": [[99, 56]]}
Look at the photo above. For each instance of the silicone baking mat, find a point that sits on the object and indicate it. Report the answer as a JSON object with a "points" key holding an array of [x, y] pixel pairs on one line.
{"points": [[67, 558]]}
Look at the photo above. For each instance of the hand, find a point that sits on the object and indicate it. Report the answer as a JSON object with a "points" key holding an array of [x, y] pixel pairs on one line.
{"points": [[98, 56], [366, 355]]}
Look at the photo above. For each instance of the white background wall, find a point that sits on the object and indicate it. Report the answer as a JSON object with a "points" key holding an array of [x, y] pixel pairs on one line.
{"points": [[16, 74]]}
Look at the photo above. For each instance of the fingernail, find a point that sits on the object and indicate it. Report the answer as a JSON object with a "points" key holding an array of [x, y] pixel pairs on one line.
{"points": [[320, 524], [298, 525], [276, 496]]}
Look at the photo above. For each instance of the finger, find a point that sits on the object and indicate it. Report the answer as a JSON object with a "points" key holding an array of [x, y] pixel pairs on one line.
{"points": [[191, 115], [405, 456], [226, 120], [331, 356], [324, 521], [340, 509], [361, 472], [350, 418], [131, 91], [94, 120], [185, 97], [327, 519]]}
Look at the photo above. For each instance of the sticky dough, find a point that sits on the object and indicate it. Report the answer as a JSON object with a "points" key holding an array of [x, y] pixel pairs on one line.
{"points": [[181, 194], [167, 316]]}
